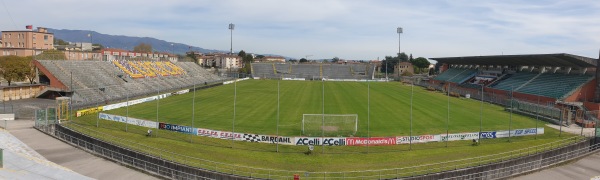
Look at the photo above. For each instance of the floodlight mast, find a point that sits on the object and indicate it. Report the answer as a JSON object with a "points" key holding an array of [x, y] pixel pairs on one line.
{"points": [[399, 31], [231, 27]]}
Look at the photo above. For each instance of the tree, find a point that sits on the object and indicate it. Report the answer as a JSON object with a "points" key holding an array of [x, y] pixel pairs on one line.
{"points": [[246, 69], [32, 73], [293, 60], [247, 58], [410, 58], [14, 68], [403, 57], [242, 53], [303, 60], [335, 59], [420, 63], [143, 48], [260, 56], [389, 64]]}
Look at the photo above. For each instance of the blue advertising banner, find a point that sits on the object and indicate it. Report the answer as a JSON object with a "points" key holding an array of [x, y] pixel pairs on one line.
{"points": [[177, 128], [488, 135]]}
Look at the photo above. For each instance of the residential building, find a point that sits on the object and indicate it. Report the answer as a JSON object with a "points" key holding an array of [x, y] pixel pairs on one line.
{"points": [[221, 60], [404, 67], [26, 42]]}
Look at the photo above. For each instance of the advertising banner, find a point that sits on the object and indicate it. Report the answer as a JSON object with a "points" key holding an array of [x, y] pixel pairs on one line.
{"points": [[501, 134], [114, 106], [374, 141], [208, 132], [143, 123], [459, 136], [219, 134], [88, 111], [229, 135], [489, 135], [520, 132], [267, 139], [417, 139], [334, 141], [181, 92], [133, 121], [276, 139], [305, 141], [137, 101], [177, 128], [229, 82], [526, 132]]}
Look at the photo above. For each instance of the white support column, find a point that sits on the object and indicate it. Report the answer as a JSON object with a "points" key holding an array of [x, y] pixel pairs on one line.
{"points": [[555, 69], [568, 70], [583, 71]]}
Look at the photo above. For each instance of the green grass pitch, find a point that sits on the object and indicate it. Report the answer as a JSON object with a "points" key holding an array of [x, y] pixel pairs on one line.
{"points": [[256, 112], [256, 108]]}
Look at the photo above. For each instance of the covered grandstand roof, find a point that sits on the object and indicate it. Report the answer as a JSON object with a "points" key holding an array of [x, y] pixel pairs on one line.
{"points": [[555, 60]]}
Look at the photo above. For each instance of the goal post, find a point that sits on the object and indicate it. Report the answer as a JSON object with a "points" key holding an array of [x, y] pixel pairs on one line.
{"points": [[332, 125]]}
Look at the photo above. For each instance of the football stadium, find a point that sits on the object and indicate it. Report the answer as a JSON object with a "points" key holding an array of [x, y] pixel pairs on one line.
{"points": [[476, 117]]}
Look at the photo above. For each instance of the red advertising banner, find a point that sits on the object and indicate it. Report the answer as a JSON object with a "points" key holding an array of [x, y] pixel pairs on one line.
{"points": [[374, 141]]}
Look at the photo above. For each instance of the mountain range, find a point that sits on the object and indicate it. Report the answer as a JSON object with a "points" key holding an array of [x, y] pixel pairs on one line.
{"points": [[125, 42]]}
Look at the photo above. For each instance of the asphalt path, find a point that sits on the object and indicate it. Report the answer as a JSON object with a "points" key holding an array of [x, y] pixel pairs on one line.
{"points": [[585, 168], [70, 157]]}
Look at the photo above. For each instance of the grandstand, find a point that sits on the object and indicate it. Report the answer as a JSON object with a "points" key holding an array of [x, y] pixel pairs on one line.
{"points": [[312, 71], [94, 82], [457, 75], [564, 82], [549, 75]]}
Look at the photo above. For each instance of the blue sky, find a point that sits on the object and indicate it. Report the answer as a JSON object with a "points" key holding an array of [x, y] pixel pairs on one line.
{"points": [[349, 29]]}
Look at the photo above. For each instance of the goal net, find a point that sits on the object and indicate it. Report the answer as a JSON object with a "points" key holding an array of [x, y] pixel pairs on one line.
{"points": [[331, 125]]}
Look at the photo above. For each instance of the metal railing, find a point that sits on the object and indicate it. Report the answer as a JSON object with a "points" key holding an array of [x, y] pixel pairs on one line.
{"points": [[405, 172]]}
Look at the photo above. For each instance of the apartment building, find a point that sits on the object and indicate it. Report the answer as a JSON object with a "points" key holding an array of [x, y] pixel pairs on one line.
{"points": [[26, 42]]}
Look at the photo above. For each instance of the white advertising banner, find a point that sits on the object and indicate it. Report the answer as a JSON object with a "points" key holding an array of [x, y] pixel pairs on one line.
{"points": [[137, 101], [218, 134], [267, 139], [133, 121], [229, 82], [417, 139], [526, 132], [317, 141], [459, 136]]}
